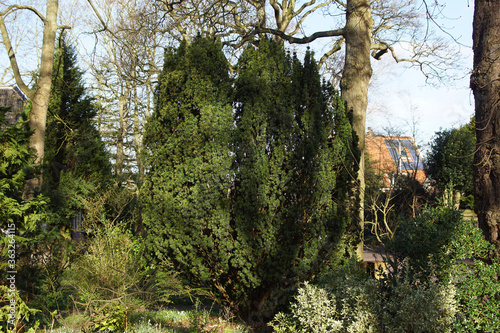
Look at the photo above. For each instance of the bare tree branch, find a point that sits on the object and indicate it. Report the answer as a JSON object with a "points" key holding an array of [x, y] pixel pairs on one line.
{"points": [[13, 61], [336, 47], [13, 8], [303, 40]]}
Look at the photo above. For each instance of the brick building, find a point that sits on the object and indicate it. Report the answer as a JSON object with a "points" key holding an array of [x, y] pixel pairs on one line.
{"points": [[395, 156]]}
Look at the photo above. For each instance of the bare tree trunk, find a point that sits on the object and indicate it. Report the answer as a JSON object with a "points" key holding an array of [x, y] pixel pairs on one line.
{"points": [[41, 94], [354, 84], [137, 138], [485, 83], [122, 131], [38, 116]]}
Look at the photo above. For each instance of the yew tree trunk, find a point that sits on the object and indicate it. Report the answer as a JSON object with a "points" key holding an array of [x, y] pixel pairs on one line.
{"points": [[485, 83], [354, 84]]}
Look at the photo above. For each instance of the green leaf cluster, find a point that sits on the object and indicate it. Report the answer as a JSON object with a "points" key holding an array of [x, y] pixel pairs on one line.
{"points": [[16, 160], [347, 301], [430, 244], [14, 310], [440, 279], [239, 196], [440, 247], [75, 162], [451, 157]]}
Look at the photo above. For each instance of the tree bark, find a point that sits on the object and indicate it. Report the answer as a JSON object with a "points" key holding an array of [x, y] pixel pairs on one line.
{"points": [[354, 84], [40, 95], [40, 101], [122, 130], [485, 83]]}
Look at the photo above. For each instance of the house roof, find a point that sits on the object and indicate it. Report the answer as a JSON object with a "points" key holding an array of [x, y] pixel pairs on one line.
{"points": [[395, 154]]}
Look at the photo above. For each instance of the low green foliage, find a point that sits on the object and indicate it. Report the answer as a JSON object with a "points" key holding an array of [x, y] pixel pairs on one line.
{"points": [[14, 312], [440, 280], [347, 300], [112, 277], [189, 320], [357, 297], [440, 245], [308, 313], [415, 308], [478, 283], [429, 245], [111, 317], [478, 298]]}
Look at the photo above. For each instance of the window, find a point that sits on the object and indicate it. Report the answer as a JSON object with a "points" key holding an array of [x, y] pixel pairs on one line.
{"points": [[405, 154]]}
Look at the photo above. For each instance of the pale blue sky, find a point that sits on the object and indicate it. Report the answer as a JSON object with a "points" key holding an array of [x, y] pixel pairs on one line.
{"points": [[401, 95]]}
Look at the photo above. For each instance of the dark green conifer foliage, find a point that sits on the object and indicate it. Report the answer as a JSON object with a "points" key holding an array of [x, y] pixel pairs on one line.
{"points": [[73, 143], [185, 193], [20, 218], [75, 165], [285, 217], [75, 160], [16, 162], [242, 204], [346, 157]]}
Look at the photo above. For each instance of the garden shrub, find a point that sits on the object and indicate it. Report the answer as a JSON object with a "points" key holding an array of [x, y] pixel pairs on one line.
{"points": [[439, 246], [346, 300], [308, 312], [427, 247], [109, 276], [112, 277], [21, 311], [478, 298], [477, 280], [356, 295], [412, 308], [354, 305], [349, 301]]}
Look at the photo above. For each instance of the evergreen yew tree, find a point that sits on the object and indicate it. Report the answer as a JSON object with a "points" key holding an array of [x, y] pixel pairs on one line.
{"points": [[73, 143], [185, 193], [241, 201], [287, 152], [75, 160]]}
